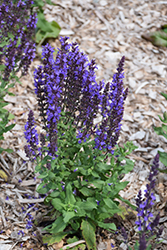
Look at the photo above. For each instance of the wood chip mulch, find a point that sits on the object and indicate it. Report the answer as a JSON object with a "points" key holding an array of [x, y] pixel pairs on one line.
{"points": [[105, 30]]}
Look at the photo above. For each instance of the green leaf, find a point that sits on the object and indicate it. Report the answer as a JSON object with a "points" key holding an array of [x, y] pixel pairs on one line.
{"points": [[69, 194], [3, 175], [127, 202], [158, 38], [149, 247], [164, 95], [120, 186], [42, 189], [107, 226], [163, 157], [111, 204], [88, 233], [6, 150], [136, 247], [46, 29], [57, 226], [50, 2], [54, 238], [43, 175], [89, 204], [165, 117], [87, 191], [160, 131], [68, 215], [56, 202]]}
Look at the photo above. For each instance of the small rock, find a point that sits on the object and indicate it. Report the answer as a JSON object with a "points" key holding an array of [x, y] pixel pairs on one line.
{"points": [[152, 94], [125, 128], [159, 69], [127, 117], [155, 151], [139, 74], [123, 246], [132, 82], [143, 175], [157, 198], [65, 32], [137, 136], [103, 3], [112, 56], [5, 246], [15, 235]]}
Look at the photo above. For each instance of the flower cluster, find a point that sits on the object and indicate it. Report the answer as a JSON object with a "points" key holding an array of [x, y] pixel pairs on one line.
{"points": [[68, 84], [112, 110], [146, 227], [144, 207], [31, 136], [17, 28]]}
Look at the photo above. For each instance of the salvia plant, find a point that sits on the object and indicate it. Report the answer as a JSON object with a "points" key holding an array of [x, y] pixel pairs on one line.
{"points": [[146, 222], [77, 156], [17, 50]]}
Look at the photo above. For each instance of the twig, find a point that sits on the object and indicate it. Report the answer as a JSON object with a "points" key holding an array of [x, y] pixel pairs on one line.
{"points": [[73, 244], [31, 201], [3, 217], [137, 158]]}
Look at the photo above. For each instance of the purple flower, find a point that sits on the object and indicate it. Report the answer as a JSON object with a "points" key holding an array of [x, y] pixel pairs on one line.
{"points": [[144, 207], [98, 202], [18, 21], [113, 98], [124, 234], [66, 87], [31, 136]]}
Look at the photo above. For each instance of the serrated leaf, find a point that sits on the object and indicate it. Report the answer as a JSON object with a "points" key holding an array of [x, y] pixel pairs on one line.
{"points": [[54, 238], [110, 226], [89, 205], [88, 233], [57, 226], [3, 175]]}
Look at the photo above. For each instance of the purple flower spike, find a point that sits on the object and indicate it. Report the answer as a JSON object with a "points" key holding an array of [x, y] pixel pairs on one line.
{"points": [[142, 242], [31, 136], [144, 207], [18, 21], [112, 109], [67, 86]]}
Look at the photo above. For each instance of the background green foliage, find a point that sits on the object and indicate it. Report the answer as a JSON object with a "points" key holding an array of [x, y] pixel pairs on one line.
{"points": [[45, 29]]}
